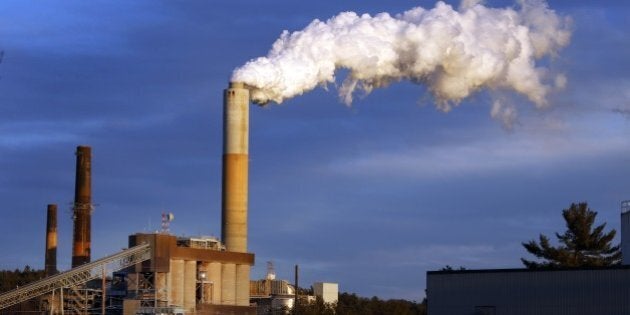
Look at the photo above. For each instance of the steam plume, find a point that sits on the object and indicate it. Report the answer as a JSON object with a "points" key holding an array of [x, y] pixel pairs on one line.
{"points": [[454, 52]]}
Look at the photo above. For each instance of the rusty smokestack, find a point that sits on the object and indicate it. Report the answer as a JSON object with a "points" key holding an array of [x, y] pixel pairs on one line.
{"points": [[50, 262], [235, 167], [82, 209]]}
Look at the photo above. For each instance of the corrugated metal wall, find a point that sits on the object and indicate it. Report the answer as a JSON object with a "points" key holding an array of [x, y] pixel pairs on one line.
{"points": [[522, 292], [625, 238]]}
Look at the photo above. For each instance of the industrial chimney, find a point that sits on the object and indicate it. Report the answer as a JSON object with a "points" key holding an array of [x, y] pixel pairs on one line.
{"points": [[235, 182], [235, 167], [82, 209], [50, 262]]}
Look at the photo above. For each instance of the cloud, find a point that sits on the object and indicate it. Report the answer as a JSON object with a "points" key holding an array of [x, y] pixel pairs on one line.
{"points": [[534, 149], [37, 133], [623, 111], [433, 255]]}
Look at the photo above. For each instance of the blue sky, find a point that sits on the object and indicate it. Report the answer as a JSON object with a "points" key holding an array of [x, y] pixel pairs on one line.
{"points": [[370, 196]]}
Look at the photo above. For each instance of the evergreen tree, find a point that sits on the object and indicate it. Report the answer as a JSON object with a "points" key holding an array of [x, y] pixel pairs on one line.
{"points": [[10, 280], [581, 245]]}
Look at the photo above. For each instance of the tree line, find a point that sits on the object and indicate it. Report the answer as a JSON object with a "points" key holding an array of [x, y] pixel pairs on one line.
{"points": [[351, 304], [10, 280]]}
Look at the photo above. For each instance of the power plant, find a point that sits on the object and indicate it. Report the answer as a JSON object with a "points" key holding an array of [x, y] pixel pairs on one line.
{"points": [[159, 273]]}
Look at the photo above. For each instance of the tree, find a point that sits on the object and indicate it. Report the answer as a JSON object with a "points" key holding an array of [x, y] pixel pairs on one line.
{"points": [[581, 245], [351, 304], [450, 268]]}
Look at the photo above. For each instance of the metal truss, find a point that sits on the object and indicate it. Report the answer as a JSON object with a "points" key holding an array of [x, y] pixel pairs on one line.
{"points": [[77, 276]]}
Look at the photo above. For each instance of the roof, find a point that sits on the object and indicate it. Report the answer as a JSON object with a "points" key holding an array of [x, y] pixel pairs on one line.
{"points": [[511, 270]]}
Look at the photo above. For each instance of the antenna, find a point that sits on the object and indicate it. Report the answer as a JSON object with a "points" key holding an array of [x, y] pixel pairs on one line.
{"points": [[167, 218]]}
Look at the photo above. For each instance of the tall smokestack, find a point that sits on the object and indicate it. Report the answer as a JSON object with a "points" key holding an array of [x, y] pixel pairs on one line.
{"points": [[82, 210], [235, 181], [50, 263], [235, 167]]}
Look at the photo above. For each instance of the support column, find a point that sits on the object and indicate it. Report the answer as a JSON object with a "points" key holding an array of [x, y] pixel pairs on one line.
{"points": [[214, 276], [242, 285], [190, 285], [228, 284], [177, 282]]}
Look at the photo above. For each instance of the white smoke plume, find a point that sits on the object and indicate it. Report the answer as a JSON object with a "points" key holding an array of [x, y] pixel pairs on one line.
{"points": [[455, 52]]}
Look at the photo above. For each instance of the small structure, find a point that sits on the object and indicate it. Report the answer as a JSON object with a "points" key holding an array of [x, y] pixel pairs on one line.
{"points": [[270, 295], [329, 292], [273, 296]]}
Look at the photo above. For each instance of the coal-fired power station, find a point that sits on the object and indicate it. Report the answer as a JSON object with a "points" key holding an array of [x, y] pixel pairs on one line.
{"points": [[50, 263], [159, 273], [82, 208], [206, 275]]}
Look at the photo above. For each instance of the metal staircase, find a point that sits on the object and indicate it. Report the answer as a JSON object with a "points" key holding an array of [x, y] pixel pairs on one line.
{"points": [[77, 276]]}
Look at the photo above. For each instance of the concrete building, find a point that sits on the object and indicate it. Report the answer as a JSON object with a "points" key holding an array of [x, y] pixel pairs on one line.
{"points": [[574, 291], [193, 274], [329, 292]]}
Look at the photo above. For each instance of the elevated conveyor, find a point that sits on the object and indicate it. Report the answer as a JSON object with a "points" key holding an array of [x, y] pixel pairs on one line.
{"points": [[78, 275]]}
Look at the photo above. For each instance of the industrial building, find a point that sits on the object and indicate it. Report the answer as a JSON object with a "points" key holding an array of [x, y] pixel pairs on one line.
{"points": [[571, 291], [329, 292], [273, 296], [158, 273], [194, 274]]}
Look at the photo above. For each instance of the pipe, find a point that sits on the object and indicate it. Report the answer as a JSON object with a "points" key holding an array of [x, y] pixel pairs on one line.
{"points": [[297, 294], [235, 167], [50, 261], [82, 209]]}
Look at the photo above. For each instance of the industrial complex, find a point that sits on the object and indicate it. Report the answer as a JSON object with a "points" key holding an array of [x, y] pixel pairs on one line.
{"points": [[160, 273]]}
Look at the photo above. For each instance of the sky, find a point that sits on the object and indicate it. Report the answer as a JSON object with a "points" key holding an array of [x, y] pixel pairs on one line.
{"points": [[371, 195]]}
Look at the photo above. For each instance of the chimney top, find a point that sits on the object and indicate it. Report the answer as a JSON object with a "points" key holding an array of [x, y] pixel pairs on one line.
{"points": [[237, 85]]}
